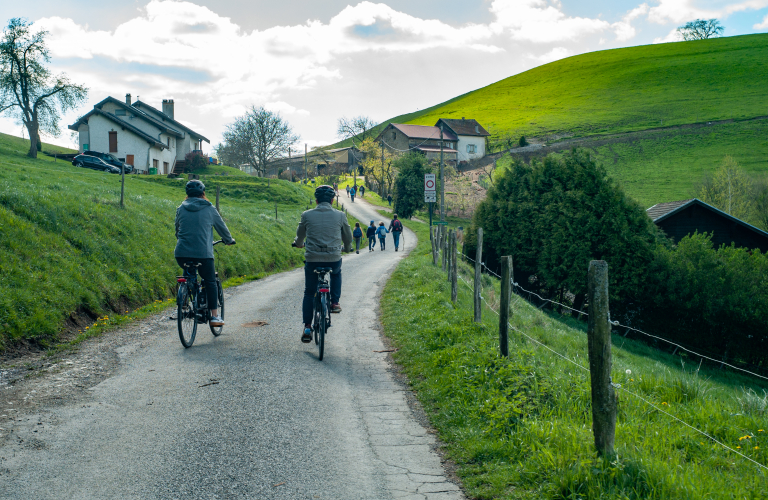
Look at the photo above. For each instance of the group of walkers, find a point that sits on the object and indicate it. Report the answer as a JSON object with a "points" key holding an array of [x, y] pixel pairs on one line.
{"points": [[373, 231], [352, 191]]}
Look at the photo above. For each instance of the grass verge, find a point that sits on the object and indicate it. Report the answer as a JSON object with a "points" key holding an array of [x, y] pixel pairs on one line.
{"points": [[520, 427]]}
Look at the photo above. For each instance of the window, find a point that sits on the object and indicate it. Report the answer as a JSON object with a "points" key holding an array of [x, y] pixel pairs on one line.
{"points": [[168, 142], [119, 112], [113, 142], [470, 148], [394, 135]]}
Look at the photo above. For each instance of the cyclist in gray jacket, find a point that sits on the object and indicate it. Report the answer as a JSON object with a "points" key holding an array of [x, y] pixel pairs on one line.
{"points": [[326, 232], [194, 240]]}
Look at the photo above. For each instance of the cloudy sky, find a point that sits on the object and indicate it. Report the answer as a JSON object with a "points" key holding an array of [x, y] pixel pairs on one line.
{"points": [[315, 61]]}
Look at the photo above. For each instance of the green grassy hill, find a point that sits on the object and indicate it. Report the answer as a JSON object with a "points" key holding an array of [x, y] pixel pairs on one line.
{"points": [[636, 89], [69, 254]]}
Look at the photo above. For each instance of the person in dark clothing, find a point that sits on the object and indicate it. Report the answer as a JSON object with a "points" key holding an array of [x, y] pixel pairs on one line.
{"points": [[362, 191], [194, 240], [371, 234], [357, 234], [389, 199], [396, 228]]}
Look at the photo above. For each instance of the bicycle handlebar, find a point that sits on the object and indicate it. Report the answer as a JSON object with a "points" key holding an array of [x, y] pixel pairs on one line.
{"points": [[222, 241]]}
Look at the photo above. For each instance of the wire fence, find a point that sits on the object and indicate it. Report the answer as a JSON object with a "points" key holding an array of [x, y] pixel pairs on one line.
{"points": [[616, 386]]}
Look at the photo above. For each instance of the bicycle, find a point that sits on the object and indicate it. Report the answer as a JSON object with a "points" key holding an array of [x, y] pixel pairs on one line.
{"points": [[321, 308], [191, 303], [321, 313]]}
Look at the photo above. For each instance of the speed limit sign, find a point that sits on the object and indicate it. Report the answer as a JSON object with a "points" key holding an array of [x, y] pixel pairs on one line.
{"points": [[429, 182]]}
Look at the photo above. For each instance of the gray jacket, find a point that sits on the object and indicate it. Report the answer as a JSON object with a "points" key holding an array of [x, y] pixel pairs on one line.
{"points": [[194, 219], [326, 231]]}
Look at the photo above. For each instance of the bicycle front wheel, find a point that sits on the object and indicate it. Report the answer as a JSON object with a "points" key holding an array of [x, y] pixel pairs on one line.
{"points": [[186, 316], [322, 326], [216, 330]]}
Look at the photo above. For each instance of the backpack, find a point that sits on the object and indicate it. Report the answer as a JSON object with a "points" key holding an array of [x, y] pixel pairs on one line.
{"points": [[397, 226], [357, 233]]}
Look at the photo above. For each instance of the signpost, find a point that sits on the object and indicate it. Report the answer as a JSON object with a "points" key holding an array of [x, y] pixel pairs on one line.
{"points": [[430, 193]]}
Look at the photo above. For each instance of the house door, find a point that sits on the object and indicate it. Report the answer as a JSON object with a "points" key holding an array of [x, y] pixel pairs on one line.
{"points": [[113, 142], [129, 159]]}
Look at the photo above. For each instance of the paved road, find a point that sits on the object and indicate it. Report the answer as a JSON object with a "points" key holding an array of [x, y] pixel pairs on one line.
{"points": [[276, 424]]}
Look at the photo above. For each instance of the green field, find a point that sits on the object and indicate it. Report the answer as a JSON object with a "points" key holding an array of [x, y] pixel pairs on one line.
{"points": [[69, 254], [520, 427], [629, 90]]}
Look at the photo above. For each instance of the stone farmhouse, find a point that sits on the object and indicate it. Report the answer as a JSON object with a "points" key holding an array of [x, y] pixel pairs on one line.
{"points": [[463, 140], [143, 136]]}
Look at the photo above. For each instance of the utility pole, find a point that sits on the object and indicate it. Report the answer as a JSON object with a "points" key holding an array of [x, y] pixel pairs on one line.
{"points": [[442, 179], [382, 165]]}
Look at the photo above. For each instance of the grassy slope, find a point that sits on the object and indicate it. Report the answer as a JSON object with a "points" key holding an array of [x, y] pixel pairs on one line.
{"points": [[521, 427], [69, 253], [634, 89]]}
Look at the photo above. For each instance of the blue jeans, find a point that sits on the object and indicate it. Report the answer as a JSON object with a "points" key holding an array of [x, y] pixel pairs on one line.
{"points": [[371, 242], [396, 236], [310, 286]]}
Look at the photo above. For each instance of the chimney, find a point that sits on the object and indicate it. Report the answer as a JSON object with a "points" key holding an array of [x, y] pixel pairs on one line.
{"points": [[168, 108], [477, 129], [128, 99]]}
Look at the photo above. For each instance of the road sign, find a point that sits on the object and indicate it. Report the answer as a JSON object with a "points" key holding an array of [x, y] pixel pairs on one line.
{"points": [[439, 223], [429, 183], [430, 197]]}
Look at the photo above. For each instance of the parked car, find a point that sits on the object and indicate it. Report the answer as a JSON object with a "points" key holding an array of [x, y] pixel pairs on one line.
{"points": [[108, 158], [94, 163]]}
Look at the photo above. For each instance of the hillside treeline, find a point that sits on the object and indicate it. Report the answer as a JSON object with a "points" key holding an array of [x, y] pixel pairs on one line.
{"points": [[555, 216]]}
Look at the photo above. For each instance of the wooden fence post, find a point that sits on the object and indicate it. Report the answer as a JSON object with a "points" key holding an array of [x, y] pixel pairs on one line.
{"points": [[217, 198], [448, 251], [443, 248], [506, 296], [478, 276], [454, 269], [599, 344], [122, 186], [434, 245]]}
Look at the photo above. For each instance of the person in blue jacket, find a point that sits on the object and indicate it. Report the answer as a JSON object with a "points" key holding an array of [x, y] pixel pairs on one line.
{"points": [[352, 194], [357, 234], [381, 232]]}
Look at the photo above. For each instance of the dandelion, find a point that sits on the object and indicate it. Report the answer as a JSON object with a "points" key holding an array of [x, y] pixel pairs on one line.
{"points": [[738, 447], [664, 403], [760, 430], [757, 447], [629, 372], [631, 380]]}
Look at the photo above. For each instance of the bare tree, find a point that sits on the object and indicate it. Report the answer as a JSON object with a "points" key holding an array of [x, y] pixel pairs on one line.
{"points": [[257, 138], [701, 29], [28, 89], [358, 128]]}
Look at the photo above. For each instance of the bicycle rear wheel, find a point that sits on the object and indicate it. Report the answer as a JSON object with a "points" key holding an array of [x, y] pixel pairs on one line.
{"points": [[216, 330], [186, 316], [322, 326]]}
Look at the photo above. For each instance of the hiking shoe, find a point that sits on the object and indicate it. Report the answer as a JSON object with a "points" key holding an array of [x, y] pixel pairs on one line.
{"points": [[357, 251], [335, 308], [306, 337], [216, 321]]}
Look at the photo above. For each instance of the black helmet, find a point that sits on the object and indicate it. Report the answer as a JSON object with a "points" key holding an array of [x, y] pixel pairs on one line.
{"points": [[195, 188], [325, 194]]}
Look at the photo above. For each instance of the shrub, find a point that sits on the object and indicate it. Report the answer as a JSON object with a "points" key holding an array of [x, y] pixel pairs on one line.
{"points": [[409, 185], [195, 161]]}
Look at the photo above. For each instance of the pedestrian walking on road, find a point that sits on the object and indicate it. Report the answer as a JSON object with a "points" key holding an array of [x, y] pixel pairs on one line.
{"points": [[396, 228], [347, 188], [362, 191], [371, 234], [358, 235], [382, 233], [389, 199], [352, 194]]}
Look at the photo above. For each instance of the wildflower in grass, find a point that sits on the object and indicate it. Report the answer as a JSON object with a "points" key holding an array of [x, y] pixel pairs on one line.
{"points": [[629, 372], [757, 447], [760, 430], [665, 403], [631, 380], [738, 447]]}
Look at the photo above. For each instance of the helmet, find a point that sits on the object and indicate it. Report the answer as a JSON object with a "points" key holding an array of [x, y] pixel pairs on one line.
{"points": [[325, 194], [195, 188]]}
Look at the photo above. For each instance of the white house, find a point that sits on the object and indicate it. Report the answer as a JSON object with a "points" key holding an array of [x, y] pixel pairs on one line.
{"points": [[138, 134], [471, 137]]}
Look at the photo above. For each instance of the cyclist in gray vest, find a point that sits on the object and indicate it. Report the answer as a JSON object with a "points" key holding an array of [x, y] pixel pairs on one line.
{"points": [[326, 232]]}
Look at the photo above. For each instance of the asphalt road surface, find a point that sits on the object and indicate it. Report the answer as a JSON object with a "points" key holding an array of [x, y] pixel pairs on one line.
{"points": [[251, 414]]}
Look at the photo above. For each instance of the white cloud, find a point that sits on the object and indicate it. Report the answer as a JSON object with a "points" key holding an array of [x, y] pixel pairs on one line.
{"points": [[684, 10], [284, 108], [553, 55], [624, 29], [672, 36], [763, 25], [541, 21]]}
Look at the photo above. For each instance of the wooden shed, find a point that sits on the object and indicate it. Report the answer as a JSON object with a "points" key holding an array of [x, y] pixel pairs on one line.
{"points": [[681, 218]]}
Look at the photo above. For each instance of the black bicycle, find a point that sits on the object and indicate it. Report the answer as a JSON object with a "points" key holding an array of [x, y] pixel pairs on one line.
{"points": [[322, 309], [192, 304]]}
